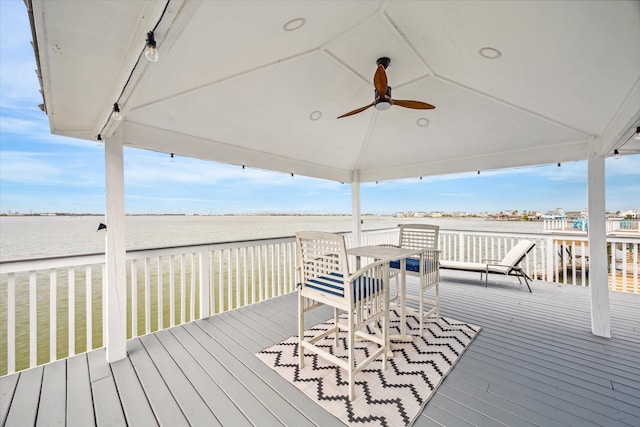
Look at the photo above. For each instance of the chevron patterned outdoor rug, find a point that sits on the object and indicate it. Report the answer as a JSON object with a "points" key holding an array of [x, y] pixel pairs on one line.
{"points": [[394, 397]]}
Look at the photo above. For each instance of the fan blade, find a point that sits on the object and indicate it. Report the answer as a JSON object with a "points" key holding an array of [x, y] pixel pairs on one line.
{"points": [[380, 81], [416, 105], [359, 110]]}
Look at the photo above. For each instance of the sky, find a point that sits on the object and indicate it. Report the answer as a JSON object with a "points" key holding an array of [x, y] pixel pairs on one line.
{"points": [[40, 172]]}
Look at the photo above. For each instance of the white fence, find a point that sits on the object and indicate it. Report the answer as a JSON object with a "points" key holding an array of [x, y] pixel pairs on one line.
{"points": [[52, 308], [582, 224]]}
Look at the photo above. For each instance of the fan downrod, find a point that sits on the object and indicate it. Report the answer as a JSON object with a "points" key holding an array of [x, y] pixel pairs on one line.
{"points": [[384, 61]]}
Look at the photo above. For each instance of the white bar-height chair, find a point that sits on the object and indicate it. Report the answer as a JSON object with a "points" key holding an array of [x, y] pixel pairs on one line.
{"points": [[325, 279], [426, 267]]}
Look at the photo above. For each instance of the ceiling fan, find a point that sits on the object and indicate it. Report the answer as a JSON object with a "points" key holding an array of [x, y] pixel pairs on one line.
{"points": [[382, 100]]}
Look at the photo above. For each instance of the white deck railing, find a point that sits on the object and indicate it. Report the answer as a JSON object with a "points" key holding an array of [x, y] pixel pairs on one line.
{"points": [[581, 224], [52, 308]]}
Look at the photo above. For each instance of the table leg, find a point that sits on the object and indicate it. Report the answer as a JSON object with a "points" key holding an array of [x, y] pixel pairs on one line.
{"points": [[403, 310]]}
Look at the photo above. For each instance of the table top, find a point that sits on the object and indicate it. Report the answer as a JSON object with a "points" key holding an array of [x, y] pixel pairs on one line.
{"points": [[383, 252]]}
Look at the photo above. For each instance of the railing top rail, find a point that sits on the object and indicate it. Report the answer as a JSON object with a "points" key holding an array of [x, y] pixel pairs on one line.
{"points": [[7, 266]]}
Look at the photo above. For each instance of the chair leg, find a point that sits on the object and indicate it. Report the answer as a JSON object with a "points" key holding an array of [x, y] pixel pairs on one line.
{"points": [[438, 301], [336, 314], [421, 302], [351, 361], [300, 330]]}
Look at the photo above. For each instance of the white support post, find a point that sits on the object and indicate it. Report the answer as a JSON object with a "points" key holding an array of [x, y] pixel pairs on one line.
{"points": [[115, 251], [599, 278], [356, 226]]}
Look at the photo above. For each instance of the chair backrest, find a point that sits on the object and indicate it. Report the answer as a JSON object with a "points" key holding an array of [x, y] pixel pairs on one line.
{"points": [[517, 253], [419, 236], [322, 258]]}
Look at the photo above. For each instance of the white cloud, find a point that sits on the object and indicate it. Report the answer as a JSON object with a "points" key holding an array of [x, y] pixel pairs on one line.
{"points": [[48, 169]]}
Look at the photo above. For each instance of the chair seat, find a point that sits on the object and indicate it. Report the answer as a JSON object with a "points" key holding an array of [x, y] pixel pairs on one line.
{"points": [[334, 285]]}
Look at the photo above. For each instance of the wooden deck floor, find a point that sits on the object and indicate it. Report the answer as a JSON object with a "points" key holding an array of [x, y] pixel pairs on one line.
{"points": [[534, 363]]}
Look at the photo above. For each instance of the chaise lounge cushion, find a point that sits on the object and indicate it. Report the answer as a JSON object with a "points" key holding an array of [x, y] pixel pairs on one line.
{"points": [[473, 266]]}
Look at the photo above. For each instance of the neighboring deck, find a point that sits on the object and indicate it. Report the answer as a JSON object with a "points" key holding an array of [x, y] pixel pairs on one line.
{"points": [[534, 363]]}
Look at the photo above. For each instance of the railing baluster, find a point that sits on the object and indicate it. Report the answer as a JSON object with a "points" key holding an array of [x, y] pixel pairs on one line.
{"points": [[237, 288], [11, 323], [88, 306], [221, 279], [636, 261], [253, 275], [160, 295], [192, 290], [33, 320], [273, 272], [172, 291], [246, 278], [53, 310], [278, 268], [72, 311], [229, 283], [147, 295], [183, 286], [134, 298]]}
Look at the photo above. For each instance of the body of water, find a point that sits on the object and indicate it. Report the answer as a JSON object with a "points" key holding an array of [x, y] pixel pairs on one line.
{"points": [[49, 236]]}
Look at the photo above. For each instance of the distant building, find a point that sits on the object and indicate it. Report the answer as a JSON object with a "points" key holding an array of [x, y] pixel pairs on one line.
{"points": [[554, 214], [633, 213]]}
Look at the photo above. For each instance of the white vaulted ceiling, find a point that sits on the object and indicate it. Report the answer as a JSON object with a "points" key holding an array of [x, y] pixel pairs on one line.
{"points": [[233, 86]]}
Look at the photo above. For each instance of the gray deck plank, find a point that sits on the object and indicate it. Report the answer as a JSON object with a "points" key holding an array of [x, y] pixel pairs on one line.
{"points": [[471, 394], [164, 406], [53, 396], [310, 408], [193, 406], [293, 398], [8, 385], [136, 408], [108, 409], [236, 359], [24, 407], [443, 417], [214, 396], [200, 346], [79, 396], [485, 357]]}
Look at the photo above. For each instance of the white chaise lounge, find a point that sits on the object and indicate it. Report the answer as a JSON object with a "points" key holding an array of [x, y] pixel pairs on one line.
{"points": [[507, 265]]}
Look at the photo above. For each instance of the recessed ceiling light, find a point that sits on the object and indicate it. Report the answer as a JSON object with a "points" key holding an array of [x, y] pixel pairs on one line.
{"points": [[294, 24], [423, 122], [490, 53], [315, 115]]}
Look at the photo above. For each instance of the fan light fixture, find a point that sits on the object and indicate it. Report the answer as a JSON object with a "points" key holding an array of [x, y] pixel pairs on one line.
{"points": [[616, 154], [152, 52], [116, 112], [382, 104]]}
